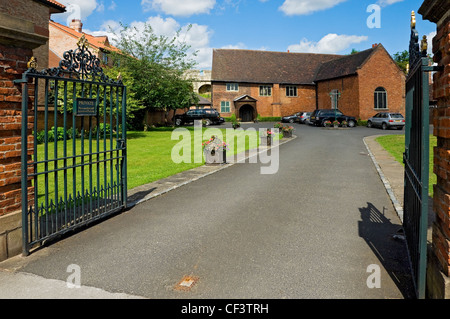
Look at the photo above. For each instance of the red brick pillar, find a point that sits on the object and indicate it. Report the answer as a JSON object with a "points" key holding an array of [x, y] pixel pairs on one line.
{"points": [[438, 271], [23, 31], [13, 62]]}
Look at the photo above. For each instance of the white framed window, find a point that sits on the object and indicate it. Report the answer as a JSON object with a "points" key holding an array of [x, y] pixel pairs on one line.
{"points": [[334, 95], [232, 87], [265, 90], [291, 91], [380, 98], [225, 107]]}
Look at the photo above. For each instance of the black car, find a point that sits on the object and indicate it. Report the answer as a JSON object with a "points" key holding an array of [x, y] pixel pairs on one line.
{"points": [[210, 116], [319, 117], [291, 118]]}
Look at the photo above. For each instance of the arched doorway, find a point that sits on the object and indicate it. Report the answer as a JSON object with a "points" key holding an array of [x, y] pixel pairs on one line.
{"points": [[246, 113]]}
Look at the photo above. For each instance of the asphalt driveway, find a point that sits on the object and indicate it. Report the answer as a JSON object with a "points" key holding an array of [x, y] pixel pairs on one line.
{"points": [[315, 229]]}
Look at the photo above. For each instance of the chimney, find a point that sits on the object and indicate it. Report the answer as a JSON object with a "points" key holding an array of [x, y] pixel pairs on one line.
{"points": [[76, 25]]}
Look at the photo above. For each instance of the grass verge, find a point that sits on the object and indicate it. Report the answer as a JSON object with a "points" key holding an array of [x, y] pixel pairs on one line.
{"points": [[149, 157], [395, 145]]}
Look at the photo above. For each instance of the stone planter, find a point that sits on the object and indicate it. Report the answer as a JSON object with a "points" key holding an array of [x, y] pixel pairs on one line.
{"points": [[287, 134], [215, 156]]}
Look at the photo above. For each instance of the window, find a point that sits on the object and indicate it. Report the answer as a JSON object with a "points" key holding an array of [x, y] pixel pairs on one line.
{"points": [[380, 98], [291, 91], [104, 58], [225, 107], [265, 90], [334, 95], [234, 87]]}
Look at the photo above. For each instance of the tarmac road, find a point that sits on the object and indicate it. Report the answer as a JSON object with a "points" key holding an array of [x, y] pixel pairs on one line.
{"points": [[318, 228]]}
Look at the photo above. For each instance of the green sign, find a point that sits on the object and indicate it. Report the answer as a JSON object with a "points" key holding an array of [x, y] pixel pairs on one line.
{"points": [[86, 107]]}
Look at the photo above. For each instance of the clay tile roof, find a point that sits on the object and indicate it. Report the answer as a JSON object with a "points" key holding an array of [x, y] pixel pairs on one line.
{"points": [[58, 7], [343, 66], [266, 66], [100, 42]]}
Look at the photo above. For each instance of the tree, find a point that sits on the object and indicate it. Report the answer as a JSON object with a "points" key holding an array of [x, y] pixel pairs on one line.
{"points": [[402, 60], [157, 65]]}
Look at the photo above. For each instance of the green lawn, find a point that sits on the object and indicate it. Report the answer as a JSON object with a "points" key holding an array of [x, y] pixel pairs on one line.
{"points": [[149, 156], [395, 145]]}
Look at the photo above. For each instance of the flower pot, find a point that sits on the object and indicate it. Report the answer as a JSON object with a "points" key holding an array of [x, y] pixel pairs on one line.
{"points": [[215, 156], [287, 133], [266, 140]]}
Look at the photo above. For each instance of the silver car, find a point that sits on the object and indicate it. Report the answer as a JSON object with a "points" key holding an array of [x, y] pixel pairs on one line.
{"points": [[387, 120]]}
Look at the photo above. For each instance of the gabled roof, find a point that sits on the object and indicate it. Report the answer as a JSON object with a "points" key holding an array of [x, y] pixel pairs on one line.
{"points": [[250, 66], [245, 97], [100, 42], [343, 66]]}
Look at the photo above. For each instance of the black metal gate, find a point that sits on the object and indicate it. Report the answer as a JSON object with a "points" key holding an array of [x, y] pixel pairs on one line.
{"points": [[416, 159], [76, 170]]}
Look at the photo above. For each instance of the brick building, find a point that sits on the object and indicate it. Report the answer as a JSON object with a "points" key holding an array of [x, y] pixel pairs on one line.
{"points": [[23, 34], [274, 84], [64, 38]]}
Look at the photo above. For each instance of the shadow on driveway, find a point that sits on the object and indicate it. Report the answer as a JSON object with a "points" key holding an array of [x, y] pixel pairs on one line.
{"points": [[380, 235]]}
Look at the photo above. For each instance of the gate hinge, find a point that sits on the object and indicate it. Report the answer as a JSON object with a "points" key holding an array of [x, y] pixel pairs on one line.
{"points": [[433, 68]]}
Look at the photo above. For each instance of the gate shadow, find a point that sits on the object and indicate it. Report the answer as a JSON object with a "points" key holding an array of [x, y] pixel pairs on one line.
{"points": [[386, 241]]}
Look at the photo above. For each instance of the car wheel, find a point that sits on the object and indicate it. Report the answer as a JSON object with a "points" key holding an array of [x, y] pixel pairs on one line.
{"points": [[369, 124], [351, 123], [384, 126], [323, 123], [207, 122], [291, 121], [178, 122]]}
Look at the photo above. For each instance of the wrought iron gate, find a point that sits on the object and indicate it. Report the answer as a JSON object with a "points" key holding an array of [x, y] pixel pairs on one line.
{"points": [[76, 170], [416, 159]]}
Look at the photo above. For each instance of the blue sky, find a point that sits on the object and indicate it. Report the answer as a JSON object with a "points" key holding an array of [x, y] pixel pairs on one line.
{"points": [[317, 26]]}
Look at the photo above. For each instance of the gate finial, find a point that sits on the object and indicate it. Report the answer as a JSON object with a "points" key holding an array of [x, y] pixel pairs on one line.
{"points": [[82, 42], [32, 64], [424, 45], [413, 20]]}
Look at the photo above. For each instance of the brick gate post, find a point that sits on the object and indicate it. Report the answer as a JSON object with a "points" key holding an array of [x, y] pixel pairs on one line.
{"points": [[23, 34], [438, 270]]}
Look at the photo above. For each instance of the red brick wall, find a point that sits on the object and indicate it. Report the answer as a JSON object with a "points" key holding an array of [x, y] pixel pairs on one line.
{"points": [[441, 122], [267, 106], [380, 71], [13, 62], [348, 101]]}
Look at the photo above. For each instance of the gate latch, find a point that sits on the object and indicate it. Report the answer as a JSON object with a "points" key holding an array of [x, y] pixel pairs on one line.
{"points": [[121, 143]]}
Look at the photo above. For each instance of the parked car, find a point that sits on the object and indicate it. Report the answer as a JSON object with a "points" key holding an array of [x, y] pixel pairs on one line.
{"points": [[387, 120], [319, 117], [211, 116], [291, 118], [304, 117]]}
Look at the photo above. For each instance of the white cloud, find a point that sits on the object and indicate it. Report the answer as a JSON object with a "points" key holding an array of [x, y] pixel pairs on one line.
{"points": [[430, 37], [78, 9], [195, 35], [237, 46], [179, 8], [330, 44], [301, 7], [385, 3]]}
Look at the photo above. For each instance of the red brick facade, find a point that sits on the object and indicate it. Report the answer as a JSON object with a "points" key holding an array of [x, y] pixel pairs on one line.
{"points": [[438, 268], [356, 78], [441, 122], [23, 34]]}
